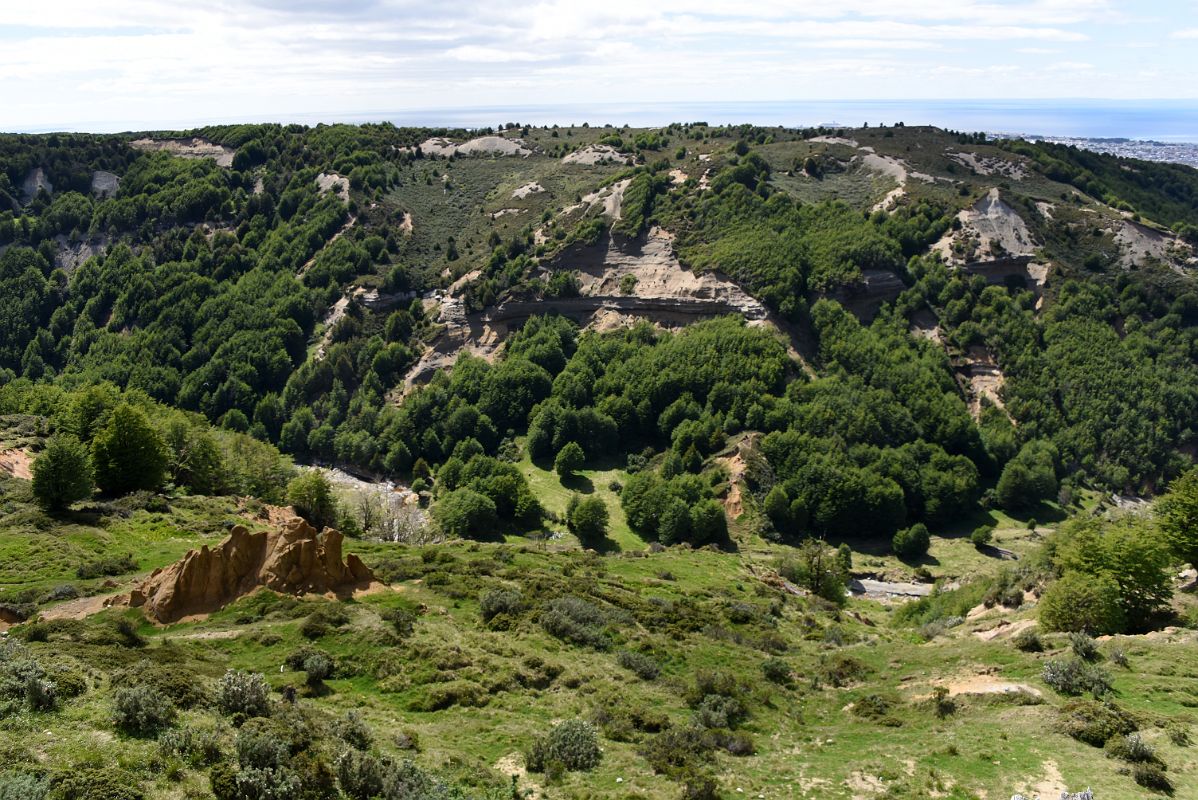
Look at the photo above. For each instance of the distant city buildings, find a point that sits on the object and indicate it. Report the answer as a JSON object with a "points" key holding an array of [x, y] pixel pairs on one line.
{"points": [[1145, 149]]}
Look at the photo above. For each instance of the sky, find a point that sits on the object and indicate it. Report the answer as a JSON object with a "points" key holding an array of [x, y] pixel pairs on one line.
{"points": [[153, 64]]}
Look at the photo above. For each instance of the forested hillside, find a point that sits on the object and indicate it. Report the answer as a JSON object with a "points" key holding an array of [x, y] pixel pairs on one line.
{"points": [[742, 368]]}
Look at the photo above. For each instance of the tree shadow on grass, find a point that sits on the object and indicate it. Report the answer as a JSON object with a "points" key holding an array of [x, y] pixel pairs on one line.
{"points": [[578, 483]]}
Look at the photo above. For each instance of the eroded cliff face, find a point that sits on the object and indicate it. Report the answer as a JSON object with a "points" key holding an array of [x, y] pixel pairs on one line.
{"points": [[294, 558]]}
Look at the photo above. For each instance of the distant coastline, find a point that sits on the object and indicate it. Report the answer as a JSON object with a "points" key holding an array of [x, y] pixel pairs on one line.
{"points": [[1167, 122]]}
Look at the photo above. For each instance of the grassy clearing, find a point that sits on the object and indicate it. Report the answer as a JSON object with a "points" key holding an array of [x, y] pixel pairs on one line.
{"points": [[555, 495]]}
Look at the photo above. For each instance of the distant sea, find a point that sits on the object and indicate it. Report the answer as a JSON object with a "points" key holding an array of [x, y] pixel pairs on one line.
{"points": [[1171, 121], [1158, 120]]}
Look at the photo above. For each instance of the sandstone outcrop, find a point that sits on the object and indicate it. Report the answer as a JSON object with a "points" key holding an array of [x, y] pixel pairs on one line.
{"points": [[294, 558]]}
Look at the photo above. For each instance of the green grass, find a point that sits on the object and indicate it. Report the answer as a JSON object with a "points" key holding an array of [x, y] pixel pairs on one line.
{"points": [[809, 741], [554, 495]]}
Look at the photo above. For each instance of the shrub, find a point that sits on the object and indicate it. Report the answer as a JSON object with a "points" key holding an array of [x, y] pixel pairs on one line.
{"points": [[317, 667], [678, 748], [245, 693], [439, 696], [1095, 723], [360, 775], [1083, 646], [141, 710], [1152, 776], [943, 704], [573, 744], [259, 747], [639, 664], [776, 671], [315, 627], [912, 543], [497, 603], [875, 707], [1082, 602], [403, 621], [842, 670], [196, 746], [1131, 748], [95, 783], [720, 711], [1028, 641], [41, 694], [1075, 676], [575, 620], [109, 565], [981, 536], [354, 731], [22, 786]]}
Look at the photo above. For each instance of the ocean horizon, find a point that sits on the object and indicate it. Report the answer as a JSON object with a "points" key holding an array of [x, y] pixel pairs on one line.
{"points": [[1169, 121]]}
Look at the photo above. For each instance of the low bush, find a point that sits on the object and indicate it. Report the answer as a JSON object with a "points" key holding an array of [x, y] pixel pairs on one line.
{"points": [[1028, 641], [1074, 677], [577, 621], [182, 685], [107, 566], [360, 775], [403, 621], [141, 710], [573, 744], [439, 696], [840, 670], [245, 693], [1152, 776], [317, 667], [720, 711], [678, 748], [639, 664], [876, 707], [199, 747], [1083, 646], [95, 783], [22, 786], [501, 603], [776, 671], [981, 536], [354, 731], [1095, 723], [1131, 748]]}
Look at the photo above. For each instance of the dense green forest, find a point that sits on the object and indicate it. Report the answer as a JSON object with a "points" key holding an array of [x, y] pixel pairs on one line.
{"points": [[214, 286]]}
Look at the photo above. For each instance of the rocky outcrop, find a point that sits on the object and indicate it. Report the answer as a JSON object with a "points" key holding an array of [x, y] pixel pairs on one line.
{"points": [[105, 184], [35, 182], [294, 559], [863, 299]]}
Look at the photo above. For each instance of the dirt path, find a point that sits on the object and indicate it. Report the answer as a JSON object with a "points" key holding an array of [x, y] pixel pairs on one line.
{"points": [[83, 607]]}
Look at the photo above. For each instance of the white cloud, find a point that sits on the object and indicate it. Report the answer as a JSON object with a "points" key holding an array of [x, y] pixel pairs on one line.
{"points": [[1185, 33], [140, 61]]}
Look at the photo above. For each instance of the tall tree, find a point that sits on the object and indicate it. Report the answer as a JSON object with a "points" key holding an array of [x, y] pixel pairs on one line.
{"points": [[62, 473], [128, 453]]}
